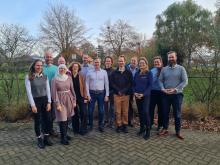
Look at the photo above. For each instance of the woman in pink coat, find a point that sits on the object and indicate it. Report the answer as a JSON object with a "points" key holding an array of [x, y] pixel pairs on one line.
{"points": [[64, 98]]}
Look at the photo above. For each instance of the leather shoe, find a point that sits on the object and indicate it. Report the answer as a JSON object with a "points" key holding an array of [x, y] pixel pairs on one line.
{"points": [[163, 132], [179, 136]]}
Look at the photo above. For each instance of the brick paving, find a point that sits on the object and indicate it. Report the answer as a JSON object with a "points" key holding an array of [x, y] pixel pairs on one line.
{"points": [[18, 146]]}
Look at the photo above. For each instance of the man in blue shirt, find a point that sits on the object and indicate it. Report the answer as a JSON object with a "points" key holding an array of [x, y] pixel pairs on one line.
{"points": [[133, 67], [50, 71], [97, 86], [156, 93], [173, 78]]}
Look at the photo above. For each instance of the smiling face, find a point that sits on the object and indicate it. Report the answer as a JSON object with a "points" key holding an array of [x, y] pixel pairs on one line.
{"points": [[142, 65], [62, 71], [85, 59], [133, 62], [121, 62], [108, 62], [172, 58], [75, 68], [61, 60], [157, 63], [38, 67], [48, 58], [97, 63]]}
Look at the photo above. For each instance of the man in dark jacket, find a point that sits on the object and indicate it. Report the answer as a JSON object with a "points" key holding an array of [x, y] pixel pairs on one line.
{"points": [[108, 105], [121, 81]]}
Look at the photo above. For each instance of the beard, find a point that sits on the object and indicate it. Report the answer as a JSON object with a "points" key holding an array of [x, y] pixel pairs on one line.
{"points": [[171, 63]]}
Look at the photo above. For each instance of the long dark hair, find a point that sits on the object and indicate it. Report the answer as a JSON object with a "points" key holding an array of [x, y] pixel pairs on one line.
{"points": [[32, 69]]}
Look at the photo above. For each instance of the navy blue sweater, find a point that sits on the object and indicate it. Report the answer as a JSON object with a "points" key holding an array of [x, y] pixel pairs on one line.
{"points": [[142, 83]]}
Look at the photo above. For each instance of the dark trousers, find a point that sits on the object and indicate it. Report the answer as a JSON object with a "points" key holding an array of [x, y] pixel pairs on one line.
{"points": [[109, 110], [143, 111], [79, 120], [42, 117], [99, 97], [174, 100], [130, 110], [52, 117], [156, 100]]}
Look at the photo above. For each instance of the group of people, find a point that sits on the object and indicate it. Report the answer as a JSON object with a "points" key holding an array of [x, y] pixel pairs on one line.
{"points": [[68, 95]]}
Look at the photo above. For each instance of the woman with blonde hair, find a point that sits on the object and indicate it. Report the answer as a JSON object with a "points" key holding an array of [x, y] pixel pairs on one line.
{"points": [[142, 87]]}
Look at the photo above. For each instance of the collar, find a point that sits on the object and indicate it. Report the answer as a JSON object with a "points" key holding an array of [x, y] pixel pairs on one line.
{"points": [[75, 75], [38, 75], [121, 69], [173, 66], [85, 65]]}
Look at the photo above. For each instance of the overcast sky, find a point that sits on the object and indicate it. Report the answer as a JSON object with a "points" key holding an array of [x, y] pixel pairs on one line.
{"points": [[94, 13]]}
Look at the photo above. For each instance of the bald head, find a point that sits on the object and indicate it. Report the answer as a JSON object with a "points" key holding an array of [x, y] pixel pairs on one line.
{"points": [[48, 57], [61, 60]]}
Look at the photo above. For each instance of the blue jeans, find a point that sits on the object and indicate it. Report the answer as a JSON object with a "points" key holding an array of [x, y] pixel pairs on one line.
{"points": [[176, 101], [100, 99]]}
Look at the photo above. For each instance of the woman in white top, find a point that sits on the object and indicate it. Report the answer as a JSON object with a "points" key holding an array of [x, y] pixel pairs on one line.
{"points": [[38, 92]]}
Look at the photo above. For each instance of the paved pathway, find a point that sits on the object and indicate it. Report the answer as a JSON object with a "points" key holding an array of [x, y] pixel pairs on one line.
{"points": [[18, 146]]}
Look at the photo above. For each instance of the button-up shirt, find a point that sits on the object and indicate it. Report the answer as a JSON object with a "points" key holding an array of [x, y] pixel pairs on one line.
{"points": [[85, 68], [97, 80]]}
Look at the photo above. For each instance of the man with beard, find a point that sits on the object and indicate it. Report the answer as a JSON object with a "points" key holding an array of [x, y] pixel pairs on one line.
{"points": [[173, 78]]}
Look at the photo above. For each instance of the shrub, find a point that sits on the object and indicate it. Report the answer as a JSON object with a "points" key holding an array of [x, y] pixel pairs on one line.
{"points": [[195, 111], [15, 112]]}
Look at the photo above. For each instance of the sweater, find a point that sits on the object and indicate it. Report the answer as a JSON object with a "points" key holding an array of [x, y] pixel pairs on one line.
{"points": [[173, 77], [142, 83]]}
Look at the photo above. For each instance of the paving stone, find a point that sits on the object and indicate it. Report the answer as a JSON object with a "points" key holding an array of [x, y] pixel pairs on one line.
{"points": [[18, 146]]}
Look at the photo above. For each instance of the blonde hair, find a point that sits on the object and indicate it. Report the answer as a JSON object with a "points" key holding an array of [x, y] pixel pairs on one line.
{"points": [[145, 60]]}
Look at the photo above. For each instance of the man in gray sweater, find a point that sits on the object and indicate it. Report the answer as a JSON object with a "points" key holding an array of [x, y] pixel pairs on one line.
{"points": [[173, 78]]}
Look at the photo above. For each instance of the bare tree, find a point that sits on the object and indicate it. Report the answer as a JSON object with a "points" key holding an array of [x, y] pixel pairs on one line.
{"points": [[14, 43], [62, 29], [118, 36]]}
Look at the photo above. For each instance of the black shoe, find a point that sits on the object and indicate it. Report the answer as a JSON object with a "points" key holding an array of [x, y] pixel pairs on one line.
{"points": [[54, 134], [68, 137], [147, 134], [90, 129], [83, 132], [130, 125], [64, 141], [141, 131], [124, 129], [47, 140], [40, 143], [158, 128], [118, 129], [101, 129]]}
